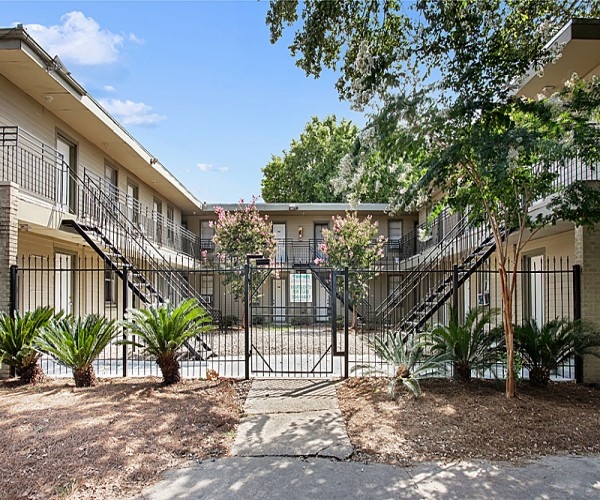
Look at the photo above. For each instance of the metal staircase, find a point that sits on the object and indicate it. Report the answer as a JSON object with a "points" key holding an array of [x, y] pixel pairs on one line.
{"points": [[439, 293], [122, 245], [426, 262]]}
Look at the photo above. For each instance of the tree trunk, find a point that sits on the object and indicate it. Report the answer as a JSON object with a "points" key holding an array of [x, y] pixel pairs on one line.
{"points": [[509, 332], [462, 372], [169, 366], [85, 376], [354, 318], [31, 374], [539, 377]]}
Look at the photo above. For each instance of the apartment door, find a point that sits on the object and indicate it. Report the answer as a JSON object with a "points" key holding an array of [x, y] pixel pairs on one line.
{"points": [[279, 232], [279, 301], [132, 203], [157, 221], [322, 303], [318, 239], [534, 289], [65, 184], [63, 282]]}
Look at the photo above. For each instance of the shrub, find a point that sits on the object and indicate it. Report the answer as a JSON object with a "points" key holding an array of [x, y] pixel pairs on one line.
{"points": [[77, 342], [17, 337], [543, 349], [164, 329], [472, 345], [409, 359]]}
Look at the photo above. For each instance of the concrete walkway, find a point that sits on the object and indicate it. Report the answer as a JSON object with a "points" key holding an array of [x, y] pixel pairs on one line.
{"points": [[292, 444]]}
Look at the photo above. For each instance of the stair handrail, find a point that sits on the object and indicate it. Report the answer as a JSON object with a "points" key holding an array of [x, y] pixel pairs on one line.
{"points": [[129, 229], [431, 259]]}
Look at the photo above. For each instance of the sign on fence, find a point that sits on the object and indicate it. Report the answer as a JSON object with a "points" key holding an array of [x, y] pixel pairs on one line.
{"points": [[301, 288]]}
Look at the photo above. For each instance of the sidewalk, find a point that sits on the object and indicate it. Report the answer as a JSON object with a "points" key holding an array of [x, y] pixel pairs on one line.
{"points": [[292, 444]]}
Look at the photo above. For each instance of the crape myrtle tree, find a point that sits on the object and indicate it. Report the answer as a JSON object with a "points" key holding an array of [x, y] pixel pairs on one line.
{"points": [[240, 233], [353, 243], [303, 173], [438, 80]]}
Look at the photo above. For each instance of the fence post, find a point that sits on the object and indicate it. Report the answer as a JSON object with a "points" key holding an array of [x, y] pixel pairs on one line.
{"points": [[334, 310], [125, 307], [577, 317], [346, 306], [455, 293], [14, 290], [246, 322]]}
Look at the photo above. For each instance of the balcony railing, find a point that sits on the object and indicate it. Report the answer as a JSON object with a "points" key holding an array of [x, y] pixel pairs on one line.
{"points": [[39, 170]]}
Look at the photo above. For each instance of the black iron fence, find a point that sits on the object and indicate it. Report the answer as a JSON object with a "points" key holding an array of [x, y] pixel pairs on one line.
{"points": [[291, 321]]}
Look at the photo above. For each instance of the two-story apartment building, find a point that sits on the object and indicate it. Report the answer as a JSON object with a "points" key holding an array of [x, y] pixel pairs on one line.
{"points": [[77, 187], [78, 192]]}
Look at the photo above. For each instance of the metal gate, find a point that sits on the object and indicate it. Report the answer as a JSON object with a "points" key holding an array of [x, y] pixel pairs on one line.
{"points": [[296, 322]]}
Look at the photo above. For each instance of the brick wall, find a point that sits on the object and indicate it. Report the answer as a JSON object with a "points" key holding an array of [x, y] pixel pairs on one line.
{"points": [[9, 227], [587, 254]]}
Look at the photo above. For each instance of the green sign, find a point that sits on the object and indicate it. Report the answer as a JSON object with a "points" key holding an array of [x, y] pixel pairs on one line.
{"points": [[300, 288]]}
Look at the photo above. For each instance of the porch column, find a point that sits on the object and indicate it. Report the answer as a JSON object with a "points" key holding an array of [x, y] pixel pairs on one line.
{"points": [[587, 255], [9, 233]]}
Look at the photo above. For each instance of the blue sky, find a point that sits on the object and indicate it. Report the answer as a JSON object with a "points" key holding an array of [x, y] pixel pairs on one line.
{"points": [[197, 83]]}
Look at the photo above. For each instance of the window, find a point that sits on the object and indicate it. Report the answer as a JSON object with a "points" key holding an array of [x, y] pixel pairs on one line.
{"points": [[207, 287], [110, 286]]}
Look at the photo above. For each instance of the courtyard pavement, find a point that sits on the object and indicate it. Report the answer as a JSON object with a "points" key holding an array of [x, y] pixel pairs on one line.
{"points": [[292, 444]]}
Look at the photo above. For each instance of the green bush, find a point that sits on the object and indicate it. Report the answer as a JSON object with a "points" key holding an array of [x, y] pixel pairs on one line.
{"points": [[409, 358], [472, 345], [17, 338], [77, 342], [164, 329], [543, 349]]}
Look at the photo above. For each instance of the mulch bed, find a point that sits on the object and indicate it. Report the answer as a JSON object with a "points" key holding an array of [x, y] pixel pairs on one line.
{"points": [[111, 440], [454, 421]]}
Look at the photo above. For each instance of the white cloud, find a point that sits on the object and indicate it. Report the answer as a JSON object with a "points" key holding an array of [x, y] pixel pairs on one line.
{"points": [[208, 167], [79, 39], [131, 112], [109, 88]]}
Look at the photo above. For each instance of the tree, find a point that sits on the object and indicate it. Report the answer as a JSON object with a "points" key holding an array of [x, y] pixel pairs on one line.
{"points": [[240, 233], [303, 174], [353, 243], [439, 79]]}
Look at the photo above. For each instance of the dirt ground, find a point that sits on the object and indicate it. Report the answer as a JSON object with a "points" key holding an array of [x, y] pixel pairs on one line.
{"points": [[108, 442], [111, 441], [454, 421]]}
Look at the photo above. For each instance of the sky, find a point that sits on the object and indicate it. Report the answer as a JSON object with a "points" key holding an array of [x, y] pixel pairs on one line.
{"points": [[197, 83]]}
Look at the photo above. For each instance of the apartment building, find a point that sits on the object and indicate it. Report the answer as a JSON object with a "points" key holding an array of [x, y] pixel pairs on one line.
{"points": [[76, 187]]}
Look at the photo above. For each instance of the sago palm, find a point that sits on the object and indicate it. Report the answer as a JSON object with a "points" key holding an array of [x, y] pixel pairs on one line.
{"points": [[410, 360], [544, 349], [163, 330], [472, 345], [77, 342], [17, 337]]}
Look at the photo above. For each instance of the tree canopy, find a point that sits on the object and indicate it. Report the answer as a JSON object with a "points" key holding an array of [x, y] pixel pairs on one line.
{"points": [[439, 80], [303, 174]]}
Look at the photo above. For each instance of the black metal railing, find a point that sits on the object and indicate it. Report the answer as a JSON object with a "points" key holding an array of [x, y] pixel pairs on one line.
{"points": [[40, 170]]}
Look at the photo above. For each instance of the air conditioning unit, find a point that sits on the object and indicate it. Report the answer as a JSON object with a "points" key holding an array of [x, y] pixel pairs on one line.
{"points": [[483, 299]]}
